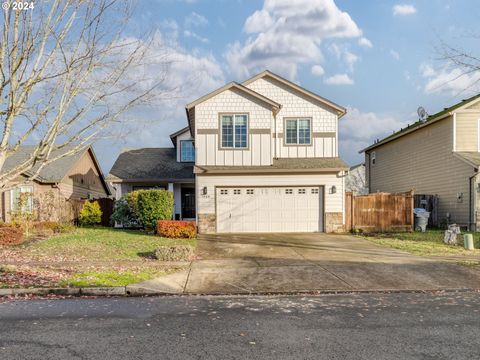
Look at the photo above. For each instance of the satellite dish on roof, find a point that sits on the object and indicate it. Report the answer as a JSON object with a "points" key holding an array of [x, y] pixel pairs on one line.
{"points": [[422, 114]]}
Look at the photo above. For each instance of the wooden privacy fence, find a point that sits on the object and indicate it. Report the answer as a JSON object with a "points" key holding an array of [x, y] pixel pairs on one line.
{"points": [[379, 212], [106, 205]]}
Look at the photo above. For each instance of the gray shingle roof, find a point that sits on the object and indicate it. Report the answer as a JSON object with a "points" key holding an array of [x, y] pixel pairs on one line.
{"points": [[51, 173], [150, 164], [471, 157], [284, 164]]}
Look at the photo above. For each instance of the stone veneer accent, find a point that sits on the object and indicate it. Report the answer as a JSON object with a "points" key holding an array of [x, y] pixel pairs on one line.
{"points": [[334, 222], [206, 223]]}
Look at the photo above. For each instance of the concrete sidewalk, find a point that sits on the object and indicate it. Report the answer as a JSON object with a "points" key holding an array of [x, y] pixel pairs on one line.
{"points": [[287, 263]]}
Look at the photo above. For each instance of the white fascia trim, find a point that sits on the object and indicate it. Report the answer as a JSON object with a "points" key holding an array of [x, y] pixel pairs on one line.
{"points": [[454, 131]]}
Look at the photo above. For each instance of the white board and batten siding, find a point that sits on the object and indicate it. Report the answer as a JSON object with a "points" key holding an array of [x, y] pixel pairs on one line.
{"points": [[261, 126], [324, 121], [207, 131]]}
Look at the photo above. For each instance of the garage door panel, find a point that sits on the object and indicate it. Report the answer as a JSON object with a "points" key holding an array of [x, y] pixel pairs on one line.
{"points": [[275, 209]]}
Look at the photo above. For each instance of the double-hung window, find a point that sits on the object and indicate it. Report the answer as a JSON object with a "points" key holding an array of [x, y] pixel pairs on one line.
{"points": [[298, 132], [187, 151], [234, 128]]}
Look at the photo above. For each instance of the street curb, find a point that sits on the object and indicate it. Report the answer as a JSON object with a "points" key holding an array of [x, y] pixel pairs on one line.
{"points": [[120, 291]]}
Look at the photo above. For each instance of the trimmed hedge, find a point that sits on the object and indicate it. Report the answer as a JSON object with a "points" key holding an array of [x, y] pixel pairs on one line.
{"points": [[175, 253], [154, 205], [177, 229], [10, 235]]}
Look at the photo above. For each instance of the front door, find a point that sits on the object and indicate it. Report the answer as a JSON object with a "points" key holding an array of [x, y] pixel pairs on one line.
{"points": [[188, 203]]}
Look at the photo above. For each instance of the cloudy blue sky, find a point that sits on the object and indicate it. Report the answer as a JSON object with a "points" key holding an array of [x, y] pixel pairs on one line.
{"points": [[378, 58]]}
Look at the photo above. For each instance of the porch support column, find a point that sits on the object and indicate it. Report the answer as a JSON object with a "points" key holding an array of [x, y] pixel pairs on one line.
{"points": [[170, 188]]}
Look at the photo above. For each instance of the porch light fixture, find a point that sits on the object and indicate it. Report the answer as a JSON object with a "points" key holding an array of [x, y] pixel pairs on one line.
{"points": [[333, 189], [204, 190]]}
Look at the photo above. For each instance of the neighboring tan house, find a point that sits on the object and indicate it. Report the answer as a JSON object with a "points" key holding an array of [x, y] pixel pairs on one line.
{"points": [[57, 186], [356, 181], [438, 156], [266, 160]]}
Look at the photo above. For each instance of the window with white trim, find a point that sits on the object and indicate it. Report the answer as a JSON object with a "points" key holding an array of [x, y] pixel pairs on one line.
{"points": [[234, 131], [224, 192], [21, 196], [249, 191], [187, 151], [237, 192], [298, 132], [314, 191], [373, 157], [288, 191], [301, 191]]}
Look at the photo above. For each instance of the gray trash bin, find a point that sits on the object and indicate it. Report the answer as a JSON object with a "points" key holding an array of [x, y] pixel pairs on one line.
{"points": [[420, 219]]}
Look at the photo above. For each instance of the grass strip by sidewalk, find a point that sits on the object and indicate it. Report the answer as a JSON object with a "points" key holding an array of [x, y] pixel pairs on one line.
{"points": [[429, 243]]}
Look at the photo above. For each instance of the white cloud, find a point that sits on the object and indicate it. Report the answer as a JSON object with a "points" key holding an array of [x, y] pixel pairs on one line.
{"points": [[394, 54], [403, 9], [195, 20], [285, 34], [339, 79], [343, 53], [450, 80], [317, 70], [188, 33], [357, 130], [364, 42]]}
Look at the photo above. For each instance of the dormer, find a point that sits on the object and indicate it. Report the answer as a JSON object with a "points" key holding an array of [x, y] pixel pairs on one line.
{"points": [[183, 143]]}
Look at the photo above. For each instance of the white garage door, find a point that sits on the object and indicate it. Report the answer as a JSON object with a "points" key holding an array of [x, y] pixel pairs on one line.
{"points": [[270, 209]]}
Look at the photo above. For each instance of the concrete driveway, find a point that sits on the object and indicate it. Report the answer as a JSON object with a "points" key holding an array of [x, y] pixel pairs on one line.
{"points": [[287, 263]]}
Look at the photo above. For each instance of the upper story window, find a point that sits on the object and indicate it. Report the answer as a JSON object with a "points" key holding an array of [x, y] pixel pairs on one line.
{"points": [[298, 132], [234, 131], [187, 151], [373, 157]]}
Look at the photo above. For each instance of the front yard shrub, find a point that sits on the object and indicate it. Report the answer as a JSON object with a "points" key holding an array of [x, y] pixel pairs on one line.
{"points": [[177, 229], [154, 205], [124, 213], [11, 235], [91, 214], [175, 253]]}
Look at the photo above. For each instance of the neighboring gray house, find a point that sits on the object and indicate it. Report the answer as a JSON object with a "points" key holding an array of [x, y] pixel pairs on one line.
{"points": [[260, 156], [355, 181], [161, 168]]}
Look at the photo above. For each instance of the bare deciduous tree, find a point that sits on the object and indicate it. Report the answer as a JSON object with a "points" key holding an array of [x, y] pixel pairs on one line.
{"points": [[65, 78], [464, 64]]}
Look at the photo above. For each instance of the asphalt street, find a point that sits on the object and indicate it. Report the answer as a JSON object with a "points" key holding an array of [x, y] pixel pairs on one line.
{"points": [[349, 326]]}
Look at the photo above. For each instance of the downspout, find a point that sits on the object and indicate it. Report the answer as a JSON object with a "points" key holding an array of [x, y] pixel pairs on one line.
{"points": [[471, 202]]}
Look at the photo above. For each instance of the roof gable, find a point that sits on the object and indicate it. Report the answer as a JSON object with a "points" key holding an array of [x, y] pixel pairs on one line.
{"points": [[190, 108], [239, 87], [340, 110], [55, 171], [177, 134]]}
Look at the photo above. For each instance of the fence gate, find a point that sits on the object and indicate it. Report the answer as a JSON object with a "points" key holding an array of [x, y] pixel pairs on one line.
{"points": [[379, 212]]}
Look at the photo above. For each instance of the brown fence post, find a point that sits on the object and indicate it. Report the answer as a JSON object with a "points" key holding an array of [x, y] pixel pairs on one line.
{"points": [[348, 211]]}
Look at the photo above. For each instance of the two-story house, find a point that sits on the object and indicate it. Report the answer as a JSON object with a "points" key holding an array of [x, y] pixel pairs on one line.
{"points": [[266, 160], [438, 156]]}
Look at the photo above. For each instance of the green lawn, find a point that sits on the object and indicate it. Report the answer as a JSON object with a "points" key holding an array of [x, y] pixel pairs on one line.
{"points": [[429, 243], [86, 257], [98, 244]]}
